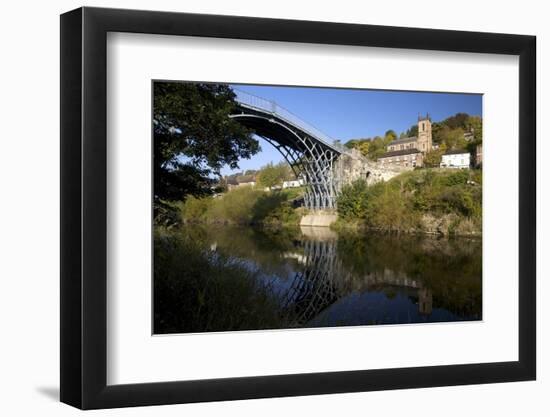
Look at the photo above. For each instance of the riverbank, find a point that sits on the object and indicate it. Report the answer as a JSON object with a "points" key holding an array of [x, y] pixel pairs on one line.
{"points": [[444, 202], [446, 225], [434, 201]]}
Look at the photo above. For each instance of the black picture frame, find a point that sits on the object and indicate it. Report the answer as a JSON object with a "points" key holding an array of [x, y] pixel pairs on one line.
{"points": [[84, 207]]}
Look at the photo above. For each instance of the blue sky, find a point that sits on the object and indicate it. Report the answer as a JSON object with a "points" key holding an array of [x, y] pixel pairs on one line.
{"points": [[346, 114]]}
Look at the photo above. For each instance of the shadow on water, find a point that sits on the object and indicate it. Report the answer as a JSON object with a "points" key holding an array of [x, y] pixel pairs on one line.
{"points": [[236, 278]]}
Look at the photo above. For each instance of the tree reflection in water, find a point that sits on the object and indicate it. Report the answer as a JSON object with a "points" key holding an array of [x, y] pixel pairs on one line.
{"points": [[322, 278], [384, 279]]}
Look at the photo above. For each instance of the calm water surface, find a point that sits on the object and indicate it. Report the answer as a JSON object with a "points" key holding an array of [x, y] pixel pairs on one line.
{"points": [[316, 277]]}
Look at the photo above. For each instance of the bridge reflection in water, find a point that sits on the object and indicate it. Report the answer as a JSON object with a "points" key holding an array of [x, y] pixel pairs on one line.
{"points": [[324, 279]]}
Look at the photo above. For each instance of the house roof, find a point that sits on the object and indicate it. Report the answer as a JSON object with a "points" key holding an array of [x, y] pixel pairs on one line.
{"points": [[403, 140], [246, 178], [456, 152], [400, 153], [240, 179]]}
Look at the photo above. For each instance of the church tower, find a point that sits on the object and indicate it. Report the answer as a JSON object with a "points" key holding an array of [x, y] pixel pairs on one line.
{"points": [[424, 141]]}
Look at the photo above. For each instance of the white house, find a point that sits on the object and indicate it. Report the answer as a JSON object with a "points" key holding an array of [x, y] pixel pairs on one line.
{"points": [[455, 159], [293, 183]]}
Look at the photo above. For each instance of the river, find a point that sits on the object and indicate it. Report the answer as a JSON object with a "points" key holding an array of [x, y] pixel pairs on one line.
{"points": [[313, 277]]}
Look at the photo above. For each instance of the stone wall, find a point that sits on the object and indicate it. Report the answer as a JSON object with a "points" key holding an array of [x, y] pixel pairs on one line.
{"points": [[353, 166], [319, 218]]}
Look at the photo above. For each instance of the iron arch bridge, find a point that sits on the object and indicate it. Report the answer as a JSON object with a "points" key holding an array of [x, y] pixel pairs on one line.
{"points": [[310, 153]]}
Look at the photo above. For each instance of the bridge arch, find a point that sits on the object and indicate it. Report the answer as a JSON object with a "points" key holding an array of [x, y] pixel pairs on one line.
{"points": [[310, 153]]}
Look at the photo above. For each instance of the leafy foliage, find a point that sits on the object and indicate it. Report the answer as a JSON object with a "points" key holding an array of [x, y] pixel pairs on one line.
{"points": [[364, 147], [350, 144], [451, 131], [272, 175], [353, 201], [432, 159], [401, 203], [452, 138], [244, 206], [194, 137], [412, 131], [372, 148], [390, 134]]}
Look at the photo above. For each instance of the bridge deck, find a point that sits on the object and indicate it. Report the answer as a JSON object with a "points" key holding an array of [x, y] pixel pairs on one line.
{"points": [[263, 105]]}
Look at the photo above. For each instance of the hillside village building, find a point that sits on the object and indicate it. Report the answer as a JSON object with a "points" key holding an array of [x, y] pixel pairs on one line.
{"points": [[410, 157], [457, 158], [293, 183], [409, 152], [240, 181]]}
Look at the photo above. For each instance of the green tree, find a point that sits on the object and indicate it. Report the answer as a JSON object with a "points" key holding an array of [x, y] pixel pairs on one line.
{"points": [[437, 132], [377, 147], [272, 175], [194, 137], [475, 123], [390, 135], [363, 147], [352, 143], [433, 157], [457, 121], [352, 201], [454, 139], [412, 131]]}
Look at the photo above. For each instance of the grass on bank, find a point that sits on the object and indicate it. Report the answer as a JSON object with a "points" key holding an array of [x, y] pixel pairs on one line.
{"points": [[246, 205], [198, 290]]}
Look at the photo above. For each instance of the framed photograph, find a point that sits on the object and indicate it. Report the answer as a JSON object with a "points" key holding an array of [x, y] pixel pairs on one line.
{"points": [[257, 208]]}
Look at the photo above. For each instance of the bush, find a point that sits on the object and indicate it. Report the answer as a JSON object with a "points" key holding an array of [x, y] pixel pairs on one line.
{"points": [[235, 206], [274, 208], [243, 206], [353, 201], [402, 203], [194, 209], [456, 177]]}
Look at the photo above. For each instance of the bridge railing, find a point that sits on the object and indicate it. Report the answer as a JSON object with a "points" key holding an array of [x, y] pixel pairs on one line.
{"points": [[250, 100]]}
